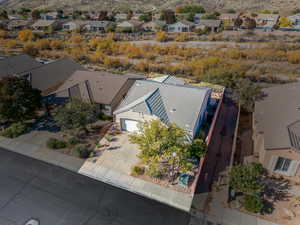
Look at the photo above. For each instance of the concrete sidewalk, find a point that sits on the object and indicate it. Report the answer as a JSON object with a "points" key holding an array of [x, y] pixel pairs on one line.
{"points": [[88, 168]]}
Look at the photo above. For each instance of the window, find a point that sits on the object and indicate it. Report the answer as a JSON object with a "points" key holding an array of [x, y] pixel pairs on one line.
{"points": [[283, 164]]}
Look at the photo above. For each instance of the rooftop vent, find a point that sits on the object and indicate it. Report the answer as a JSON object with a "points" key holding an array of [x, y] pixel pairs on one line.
{"points": [[173, 110]]}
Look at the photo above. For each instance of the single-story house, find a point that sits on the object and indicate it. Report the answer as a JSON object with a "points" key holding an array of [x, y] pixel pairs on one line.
{"points": [[276, 130], [212, 25], [228, 19], [147, 100], [102, 88], [74, 25], [45, 25], [130, 25], [97, 25], [18, 24], [181, 26], [266, 21], [154, 26], [49, 16], [295, 19], [49, 77], [119, 17], [198, 17], [19, 65]]}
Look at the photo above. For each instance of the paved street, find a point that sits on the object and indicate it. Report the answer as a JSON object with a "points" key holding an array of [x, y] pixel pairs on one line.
{"points": [[33, 189]]}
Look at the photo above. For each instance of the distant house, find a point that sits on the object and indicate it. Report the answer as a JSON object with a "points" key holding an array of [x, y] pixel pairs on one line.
{"points": [[147, 100], [119, 17], [181, 26], [49, 77], [97, 25], [266, 21], [212, 25], [49, 16], [130, 25], [18, 24], [74, 25], [154, 26], [276, 131], [20, 65], [228, 19], [198, 17], [295, 19], [102, 88], [45, 25]]}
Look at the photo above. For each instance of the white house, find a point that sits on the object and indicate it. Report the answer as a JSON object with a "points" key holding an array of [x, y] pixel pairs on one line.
{"points": [[181, 26]]}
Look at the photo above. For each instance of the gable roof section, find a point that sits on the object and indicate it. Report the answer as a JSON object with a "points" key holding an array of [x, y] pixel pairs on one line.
{"points": [[168, 79], [14, 65], [49, 77], [277, 124], [43, 23], [100, 87], [180, 104]]}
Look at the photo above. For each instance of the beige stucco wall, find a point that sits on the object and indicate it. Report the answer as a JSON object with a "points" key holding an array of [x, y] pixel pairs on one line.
{"points": [[134, 116]]}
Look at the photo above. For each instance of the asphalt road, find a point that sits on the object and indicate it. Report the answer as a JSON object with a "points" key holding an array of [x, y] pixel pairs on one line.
{"points": [[33, 189]]}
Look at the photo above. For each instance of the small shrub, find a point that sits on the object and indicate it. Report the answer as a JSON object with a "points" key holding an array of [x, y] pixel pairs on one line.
{"points": [[73, 141], [103, 116], [137, 170], [182, 37], [15, 130], [54, 143], [161, 36], [154, 171], [253, 203], [83, 151]]}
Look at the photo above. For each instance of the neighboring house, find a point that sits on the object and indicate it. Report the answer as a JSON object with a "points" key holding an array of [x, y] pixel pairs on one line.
{"points": [[49, 16], [15, 17], [154, 26], [295, 19], [147, 100], [276, 130], [18, 24], [102, 88], [45, 25], [130, 25], [266, 21], [19, 65], [212, 25], [97, 25], [228, 19], [49, 77], [74, 25], [198, 17], [181, 26], [119, 17]]}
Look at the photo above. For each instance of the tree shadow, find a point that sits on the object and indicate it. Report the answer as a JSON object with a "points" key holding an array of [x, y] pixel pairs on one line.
{"points": [[45, 123]]}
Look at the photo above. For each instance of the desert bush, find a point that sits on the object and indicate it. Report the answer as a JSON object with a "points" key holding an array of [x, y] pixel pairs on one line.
{"points": [[83, 151], [137, 170], [3, 33], [154, 171], [161, 36], [73, 141], [56, 44], [294, 57], [11, 44], [182, 37], [26, 35], [42, 44], [253, 203], [55, 143], [30, 49], [15, 130]]}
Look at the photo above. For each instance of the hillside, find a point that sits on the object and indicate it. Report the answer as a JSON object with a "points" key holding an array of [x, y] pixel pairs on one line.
{"points": [[282, 5]]}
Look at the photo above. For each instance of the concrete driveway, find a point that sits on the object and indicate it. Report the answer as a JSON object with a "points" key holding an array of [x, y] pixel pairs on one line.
{"points": [[33, 189]]}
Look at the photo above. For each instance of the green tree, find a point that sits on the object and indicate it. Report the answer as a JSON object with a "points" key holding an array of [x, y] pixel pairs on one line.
{"points": [[18, 100], [192, 9], [246, 93], [247, 178], [146, 17], [249, 23], [253, 203], [198, 148], [190, 17], [76, 115], [166, 146], [35, 14]]}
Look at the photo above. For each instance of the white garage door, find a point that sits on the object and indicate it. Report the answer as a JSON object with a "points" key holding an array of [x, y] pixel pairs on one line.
{"points": [[131, 125]]}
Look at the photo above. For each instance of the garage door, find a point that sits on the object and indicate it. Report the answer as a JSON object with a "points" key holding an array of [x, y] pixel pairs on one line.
{"points": [[131, 125]]}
